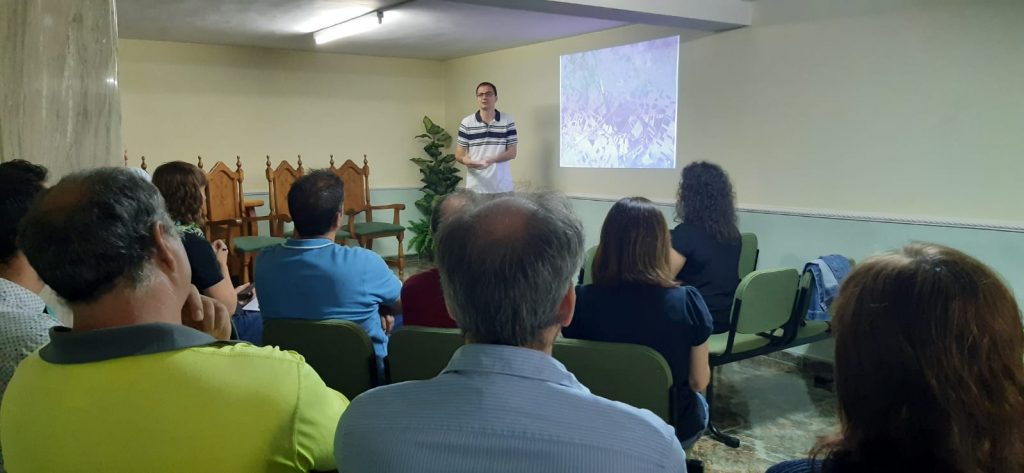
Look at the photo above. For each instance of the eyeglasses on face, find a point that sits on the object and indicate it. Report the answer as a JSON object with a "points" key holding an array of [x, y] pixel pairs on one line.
{"points": [[485, 95]]}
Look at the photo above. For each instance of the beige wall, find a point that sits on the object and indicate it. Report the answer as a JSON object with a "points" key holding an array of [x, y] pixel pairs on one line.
{"points": [[181, 100], [916, 111]]}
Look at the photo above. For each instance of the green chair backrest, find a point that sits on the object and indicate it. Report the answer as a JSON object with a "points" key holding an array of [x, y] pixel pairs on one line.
{"points": [[340, 351], [588, 265], [633, 374], [765, 300], [748, 254], [421, 352]]}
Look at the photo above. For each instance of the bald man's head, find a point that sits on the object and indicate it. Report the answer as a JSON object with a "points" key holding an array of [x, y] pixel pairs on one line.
{"points": [[506, 265], [93, 230]]}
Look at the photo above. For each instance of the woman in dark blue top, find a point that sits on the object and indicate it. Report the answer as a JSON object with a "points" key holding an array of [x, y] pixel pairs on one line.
{"points": [[928, 370], [706, 245], [635, 300]]}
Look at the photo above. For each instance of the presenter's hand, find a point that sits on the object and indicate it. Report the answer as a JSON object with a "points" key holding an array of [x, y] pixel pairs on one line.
{"points": [[206, 315]]}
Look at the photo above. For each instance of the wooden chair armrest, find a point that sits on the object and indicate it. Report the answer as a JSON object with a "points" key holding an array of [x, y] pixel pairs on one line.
{"points": [[388, 206], [396, 207]]}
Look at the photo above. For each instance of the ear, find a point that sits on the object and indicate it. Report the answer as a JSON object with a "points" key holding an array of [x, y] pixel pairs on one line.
{"points": [[164, 251], [568, 306]]}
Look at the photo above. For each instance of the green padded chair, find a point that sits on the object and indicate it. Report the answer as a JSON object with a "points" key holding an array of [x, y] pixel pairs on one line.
{"points": [[340, 351], [420, 352], [633, 374], [763, 304], [749, 254]]}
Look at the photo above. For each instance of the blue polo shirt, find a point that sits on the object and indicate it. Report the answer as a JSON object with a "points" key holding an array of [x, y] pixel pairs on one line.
{"points": [[317, 279]]}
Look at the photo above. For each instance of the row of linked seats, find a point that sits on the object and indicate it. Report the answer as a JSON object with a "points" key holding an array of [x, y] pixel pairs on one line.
{"points": [[767, 316]]}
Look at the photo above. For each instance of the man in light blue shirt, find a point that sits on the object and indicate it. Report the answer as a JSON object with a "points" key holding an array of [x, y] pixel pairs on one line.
{"points": [[310, 277], [504, 404]]}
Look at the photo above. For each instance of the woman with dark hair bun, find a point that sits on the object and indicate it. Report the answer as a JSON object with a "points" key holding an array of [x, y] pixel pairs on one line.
{"points": [[182, 186], [634, 299], [928, 369], [706, 244]]}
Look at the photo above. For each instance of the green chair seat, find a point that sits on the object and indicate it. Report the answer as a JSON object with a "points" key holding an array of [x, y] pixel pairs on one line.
{"points": [[742, 343], [252, 244], [812, 329], [369, 229], [342, 235]]}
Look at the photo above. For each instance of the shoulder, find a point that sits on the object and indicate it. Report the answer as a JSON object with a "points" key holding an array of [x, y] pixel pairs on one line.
{"points": [[507, 118], [796, 466], [643, 425], [266, 357], [469, 119]]}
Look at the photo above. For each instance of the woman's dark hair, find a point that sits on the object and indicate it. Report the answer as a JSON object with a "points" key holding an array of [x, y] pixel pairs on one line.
{"points": [[706, 200], [181, 184], [634, 246], [20, 183], [929, 371]]}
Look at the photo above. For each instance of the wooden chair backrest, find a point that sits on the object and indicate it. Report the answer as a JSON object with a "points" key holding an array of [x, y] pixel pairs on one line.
{"points": [[357, 185], [280, 181], [224, 197]]}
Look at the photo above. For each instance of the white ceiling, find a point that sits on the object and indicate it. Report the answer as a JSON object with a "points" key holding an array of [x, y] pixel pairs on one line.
{"points": [[428, 29]]}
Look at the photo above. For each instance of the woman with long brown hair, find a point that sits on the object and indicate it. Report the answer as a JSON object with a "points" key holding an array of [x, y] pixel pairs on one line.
{"points": [[182, 186], [929, 371], [706, 244], [634, 299]]}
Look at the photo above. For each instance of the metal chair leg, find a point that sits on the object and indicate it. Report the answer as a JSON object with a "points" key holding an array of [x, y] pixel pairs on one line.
{"points": [[728, 440]]}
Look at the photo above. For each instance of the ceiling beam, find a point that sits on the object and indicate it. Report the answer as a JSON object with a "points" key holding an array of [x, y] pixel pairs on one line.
{"points": [[708, 15]]}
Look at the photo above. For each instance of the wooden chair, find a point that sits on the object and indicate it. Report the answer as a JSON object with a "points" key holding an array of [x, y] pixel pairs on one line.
{"points": [[280, 181], [142, 165], [226, 218], [357, 201]]}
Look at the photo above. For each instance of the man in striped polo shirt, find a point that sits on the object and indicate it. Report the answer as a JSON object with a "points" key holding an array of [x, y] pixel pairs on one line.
{"points": [[487, 142]]}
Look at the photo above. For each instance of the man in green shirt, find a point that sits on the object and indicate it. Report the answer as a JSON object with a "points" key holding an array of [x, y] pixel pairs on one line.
{"points": [[141, 383]]}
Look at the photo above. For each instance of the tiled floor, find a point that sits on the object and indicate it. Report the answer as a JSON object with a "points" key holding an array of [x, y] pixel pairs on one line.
{"points": [[773, 407]]}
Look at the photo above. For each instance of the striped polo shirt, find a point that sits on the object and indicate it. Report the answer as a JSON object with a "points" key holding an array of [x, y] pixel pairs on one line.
{"points": [[485, 140]]}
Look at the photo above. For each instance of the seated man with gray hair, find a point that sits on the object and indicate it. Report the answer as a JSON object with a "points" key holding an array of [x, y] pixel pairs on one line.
{"points": [[140, 383], [504, 404]]}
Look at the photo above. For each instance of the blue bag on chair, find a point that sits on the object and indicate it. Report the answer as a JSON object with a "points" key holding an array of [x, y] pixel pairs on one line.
{"points": [[829, 272]]}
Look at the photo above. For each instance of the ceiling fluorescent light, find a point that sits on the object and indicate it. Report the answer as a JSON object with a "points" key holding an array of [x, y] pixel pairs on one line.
{"points": [[351, 27]]}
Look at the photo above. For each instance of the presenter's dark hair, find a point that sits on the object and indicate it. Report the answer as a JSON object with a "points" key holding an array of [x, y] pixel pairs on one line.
{"points": [[492, 86], [706, 200], [928, 366], [314, 201], [20, 183], [181, 184], [634, 246]]}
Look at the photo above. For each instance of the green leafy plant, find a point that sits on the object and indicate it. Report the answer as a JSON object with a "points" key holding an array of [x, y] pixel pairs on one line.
{"points": [[439, 176]]}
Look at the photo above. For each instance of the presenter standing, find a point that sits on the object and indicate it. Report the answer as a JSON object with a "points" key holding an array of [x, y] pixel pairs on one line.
{"points": [[486, 144]]}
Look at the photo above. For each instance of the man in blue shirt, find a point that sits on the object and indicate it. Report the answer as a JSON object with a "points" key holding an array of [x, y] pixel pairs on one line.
{"points": [[310, 277], [504, 404]]}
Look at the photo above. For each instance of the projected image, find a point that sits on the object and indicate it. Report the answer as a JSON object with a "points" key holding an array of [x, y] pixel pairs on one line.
{"points": [[618, 106]]}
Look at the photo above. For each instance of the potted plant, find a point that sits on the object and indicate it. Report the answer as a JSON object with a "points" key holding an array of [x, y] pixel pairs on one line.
{"points": [[439, 177]]}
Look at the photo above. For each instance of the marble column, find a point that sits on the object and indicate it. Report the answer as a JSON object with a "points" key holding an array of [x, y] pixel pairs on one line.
{"points": [[59, 101]]}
